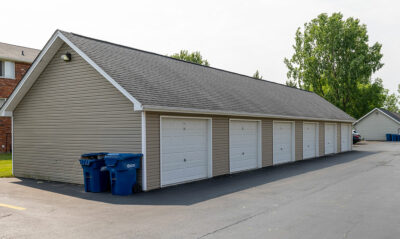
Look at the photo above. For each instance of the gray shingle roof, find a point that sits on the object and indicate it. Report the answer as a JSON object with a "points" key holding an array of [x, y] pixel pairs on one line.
{"points": [[394, 115], [156, 80], [14, 53]]}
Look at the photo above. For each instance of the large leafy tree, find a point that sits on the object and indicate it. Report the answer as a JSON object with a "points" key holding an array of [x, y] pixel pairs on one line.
{"points": [[333, 58], [392, 102], [194, 57]]}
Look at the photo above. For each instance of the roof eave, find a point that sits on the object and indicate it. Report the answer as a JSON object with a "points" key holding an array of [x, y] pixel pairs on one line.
{"points": [[365, 116], [152, 108], [15, 60]]}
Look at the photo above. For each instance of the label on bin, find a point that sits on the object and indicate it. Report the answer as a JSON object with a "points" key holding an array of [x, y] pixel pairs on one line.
{"points": [[131, 165]]}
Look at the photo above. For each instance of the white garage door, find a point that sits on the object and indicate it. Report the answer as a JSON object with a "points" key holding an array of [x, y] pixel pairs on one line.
{"points": [[184, 150], [244, 145], [283, 142], [330, 138], [345, 137], [310, 139]]}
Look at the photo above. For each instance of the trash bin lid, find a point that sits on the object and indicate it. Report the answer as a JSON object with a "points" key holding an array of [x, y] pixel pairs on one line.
{"points": [[123, 156], [88, 162], [111, 159], [93, 155]]}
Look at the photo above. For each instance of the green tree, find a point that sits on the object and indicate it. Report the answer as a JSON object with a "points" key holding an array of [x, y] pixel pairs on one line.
{"points": [[333, 58], [194, 57], [257, 75], [370, 96], [392, 102], [291, 83]]}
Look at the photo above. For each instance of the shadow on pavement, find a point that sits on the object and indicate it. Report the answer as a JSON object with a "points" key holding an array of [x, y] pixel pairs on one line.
{"points": [[195, 192]]}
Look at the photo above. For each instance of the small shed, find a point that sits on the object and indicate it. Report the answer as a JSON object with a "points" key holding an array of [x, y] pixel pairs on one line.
{"points": [[377, 123]]}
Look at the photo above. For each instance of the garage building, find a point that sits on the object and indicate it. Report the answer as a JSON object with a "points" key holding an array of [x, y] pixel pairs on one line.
{"points": [[190, 121], [377, 123]]}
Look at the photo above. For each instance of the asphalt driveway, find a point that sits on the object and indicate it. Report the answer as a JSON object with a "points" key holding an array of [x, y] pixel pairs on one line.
{"points": [[350, 195]]}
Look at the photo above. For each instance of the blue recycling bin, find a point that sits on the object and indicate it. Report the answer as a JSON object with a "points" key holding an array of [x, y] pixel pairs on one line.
{"points": [[395, 137], [95, 174], [122, 168], [388, 137]]}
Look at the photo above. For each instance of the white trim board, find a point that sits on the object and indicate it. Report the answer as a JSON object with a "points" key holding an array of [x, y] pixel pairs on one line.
{"points": [[28, 80], [144, 148]]}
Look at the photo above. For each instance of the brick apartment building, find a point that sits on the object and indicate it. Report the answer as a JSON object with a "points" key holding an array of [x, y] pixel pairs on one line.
{"points": [[14, 63]]}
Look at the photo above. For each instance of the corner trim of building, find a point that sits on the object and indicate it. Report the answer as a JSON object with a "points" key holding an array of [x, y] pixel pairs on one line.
{"points": [[12, 144], [144, 168]]}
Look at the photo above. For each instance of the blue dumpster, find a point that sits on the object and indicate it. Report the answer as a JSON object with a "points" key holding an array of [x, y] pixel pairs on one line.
{"points": [[95, 174], [388, 137], [123, 169]]}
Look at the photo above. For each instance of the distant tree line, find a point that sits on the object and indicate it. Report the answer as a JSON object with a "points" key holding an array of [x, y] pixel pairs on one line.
{"points": [[333, 58]]}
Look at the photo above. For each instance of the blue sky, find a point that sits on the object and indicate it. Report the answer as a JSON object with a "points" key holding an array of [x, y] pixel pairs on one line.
{"points": [[239, 36]]}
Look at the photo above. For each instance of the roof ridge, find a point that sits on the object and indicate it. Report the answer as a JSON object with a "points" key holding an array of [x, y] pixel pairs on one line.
{"points": [[157, 54]]}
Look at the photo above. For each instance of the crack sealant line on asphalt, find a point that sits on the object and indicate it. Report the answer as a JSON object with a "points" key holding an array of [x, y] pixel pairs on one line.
{"points": [[12, 207]]}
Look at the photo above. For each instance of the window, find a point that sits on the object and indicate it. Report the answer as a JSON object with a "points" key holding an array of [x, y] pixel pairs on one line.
{"points": [[7, 69], [2, 101]]}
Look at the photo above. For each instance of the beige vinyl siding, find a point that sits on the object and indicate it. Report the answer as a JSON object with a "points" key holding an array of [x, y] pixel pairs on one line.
{"points": [[298, 140], [339, 138], [321, 138], [71, 109], [153, 150], [267, 142], [220, 145]]}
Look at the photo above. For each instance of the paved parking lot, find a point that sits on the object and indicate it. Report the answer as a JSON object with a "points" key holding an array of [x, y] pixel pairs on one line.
{"points": [[350, 195]]}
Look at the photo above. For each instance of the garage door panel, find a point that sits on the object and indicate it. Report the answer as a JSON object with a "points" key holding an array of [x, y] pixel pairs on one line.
{"points": [[282, 142], [184, 150], [345, 137], [243, 145], [183, 175], [329, 138], [310, 140]]}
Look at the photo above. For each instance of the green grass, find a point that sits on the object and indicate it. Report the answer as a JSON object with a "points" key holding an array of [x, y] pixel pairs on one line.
{"points": [[5, 165]]}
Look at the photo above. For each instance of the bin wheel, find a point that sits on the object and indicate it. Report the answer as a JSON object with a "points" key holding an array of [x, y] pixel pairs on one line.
{"points": [[136, 188]]}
